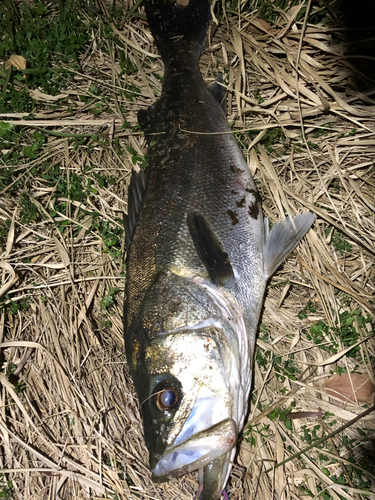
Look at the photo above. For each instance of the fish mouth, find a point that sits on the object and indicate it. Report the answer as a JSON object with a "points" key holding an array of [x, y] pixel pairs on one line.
{"points": [[197, 451]]}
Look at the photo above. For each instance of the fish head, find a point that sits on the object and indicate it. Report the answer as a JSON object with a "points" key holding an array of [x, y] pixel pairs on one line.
{"points": [[190, 364], [187, 400]]}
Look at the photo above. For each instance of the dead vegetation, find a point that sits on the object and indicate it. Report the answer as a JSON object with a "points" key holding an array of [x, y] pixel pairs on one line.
{"points": [[69, 418]]}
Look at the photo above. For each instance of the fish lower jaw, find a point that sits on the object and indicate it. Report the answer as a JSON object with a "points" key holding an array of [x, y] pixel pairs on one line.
{"points": [[196, 452]]}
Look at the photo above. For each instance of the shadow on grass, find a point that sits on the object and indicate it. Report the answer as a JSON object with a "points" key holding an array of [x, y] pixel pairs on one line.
{"points": [[358, 21]]}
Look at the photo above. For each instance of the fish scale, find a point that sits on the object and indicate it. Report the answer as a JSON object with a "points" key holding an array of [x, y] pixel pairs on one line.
{"points": [[198, 258]]}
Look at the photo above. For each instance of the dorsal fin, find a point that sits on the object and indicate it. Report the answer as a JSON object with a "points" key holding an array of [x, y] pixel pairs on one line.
{"points": [[137, 188], [282, 239], [219, 92], [209, 249]]}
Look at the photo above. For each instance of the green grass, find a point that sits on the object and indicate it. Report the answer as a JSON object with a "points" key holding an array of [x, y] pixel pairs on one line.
{"points": [[6, 488], [45, 37], [342, 335], [339, 242]]}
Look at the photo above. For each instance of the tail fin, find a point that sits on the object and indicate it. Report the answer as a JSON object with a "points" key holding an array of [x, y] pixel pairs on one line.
{"points": [[178, 25]]}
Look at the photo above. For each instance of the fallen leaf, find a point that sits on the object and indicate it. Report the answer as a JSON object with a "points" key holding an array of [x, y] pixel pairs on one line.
{"points": [[11, 280], [351, 386], [262, 26], [18, 62], [304, 414], [40, 96]]}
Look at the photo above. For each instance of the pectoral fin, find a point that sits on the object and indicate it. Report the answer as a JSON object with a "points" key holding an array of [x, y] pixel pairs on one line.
{"points": [[209, 249], [282, 239]]}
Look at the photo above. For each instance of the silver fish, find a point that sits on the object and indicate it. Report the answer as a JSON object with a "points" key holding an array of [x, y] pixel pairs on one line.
{"points": [[199, 256]]}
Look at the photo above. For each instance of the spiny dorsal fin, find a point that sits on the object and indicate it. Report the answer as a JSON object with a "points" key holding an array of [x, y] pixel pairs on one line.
{"points": [[209, 249], [282, 239], [137, 188]]}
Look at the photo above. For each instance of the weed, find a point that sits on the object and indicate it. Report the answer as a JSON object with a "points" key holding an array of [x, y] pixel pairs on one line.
{"points": [[309, 435], [285, 368], [14, 306], [18, 385], [343, 331], [127, 68], [268, 9], [107, 304], [273, 136], [111, 235], [323, 131], [359, 470], [106, 324], [282, 415], [308, 308], [12, 143], [264, 332], [257, 96], [4, 231], [105, 181], [250, 431], [352, 133], [263, 357], [338, 241], [132, 91], [29, 211], [110, 300], [137, 158], [6, 488], [11, 147]]}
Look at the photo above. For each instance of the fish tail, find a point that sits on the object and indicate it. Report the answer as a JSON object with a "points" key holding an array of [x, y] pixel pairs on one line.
{"points": [[178, 26]]}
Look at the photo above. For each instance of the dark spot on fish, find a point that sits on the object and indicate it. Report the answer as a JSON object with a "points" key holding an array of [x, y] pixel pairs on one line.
{"points": [[235, 169], [234, 192], [233, 217], [220, 179], [241, 203], [254, 207], [254, 210], [255, 193]]}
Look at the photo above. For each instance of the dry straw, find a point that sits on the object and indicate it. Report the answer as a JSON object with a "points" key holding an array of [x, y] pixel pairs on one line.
{"points": [[74, 429]]}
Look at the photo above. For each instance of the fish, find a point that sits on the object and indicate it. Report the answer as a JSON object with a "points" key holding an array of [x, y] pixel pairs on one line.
{"points": [[199, 255]]}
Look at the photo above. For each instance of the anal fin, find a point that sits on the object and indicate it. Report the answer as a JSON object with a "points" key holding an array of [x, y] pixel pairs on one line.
{"points": [[282, 239]]}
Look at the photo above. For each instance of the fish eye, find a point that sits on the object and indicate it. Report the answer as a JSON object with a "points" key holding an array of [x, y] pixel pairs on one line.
{"points": [[165, 394], [167, 398]]}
